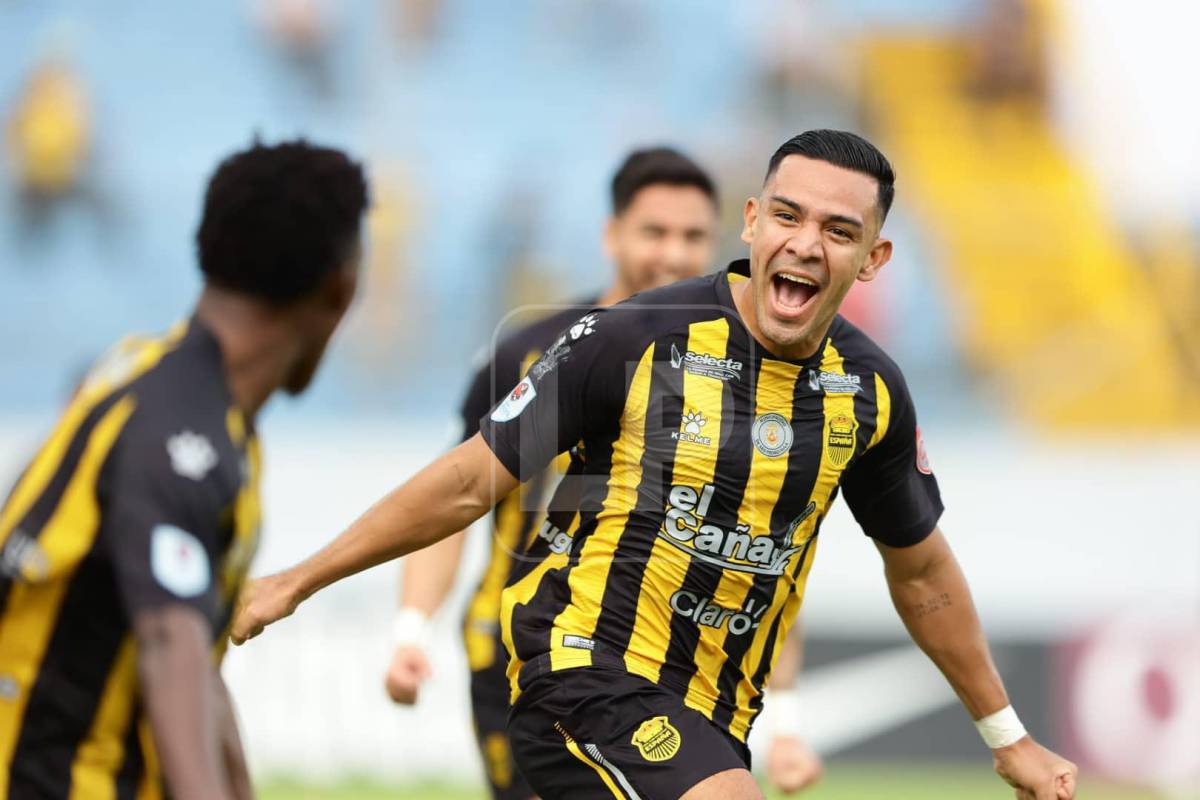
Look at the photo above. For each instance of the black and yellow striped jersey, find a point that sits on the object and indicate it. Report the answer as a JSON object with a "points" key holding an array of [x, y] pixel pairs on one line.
{"points": [[145, 494], [515, 517], [706, 469]]}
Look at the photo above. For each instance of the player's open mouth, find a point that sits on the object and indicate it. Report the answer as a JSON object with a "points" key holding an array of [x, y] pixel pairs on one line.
{"points": [[791, 294]]}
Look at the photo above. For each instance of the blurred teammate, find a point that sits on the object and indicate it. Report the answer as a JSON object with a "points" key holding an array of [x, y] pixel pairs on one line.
{"points": [[719, 417], [663, 228], [128, 537]]}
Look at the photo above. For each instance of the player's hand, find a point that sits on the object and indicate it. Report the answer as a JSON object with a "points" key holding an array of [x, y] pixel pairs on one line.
{"points": [[1035, 772], [263, 601], [792, 765], [409, 669]]}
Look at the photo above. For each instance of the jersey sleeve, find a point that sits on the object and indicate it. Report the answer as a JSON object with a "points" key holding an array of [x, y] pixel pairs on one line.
{"points": [[575, 388], [890, 489], [478, 400], [162, 510]]}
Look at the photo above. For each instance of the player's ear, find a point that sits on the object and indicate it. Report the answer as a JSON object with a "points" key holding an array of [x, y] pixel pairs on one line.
{"points": [[340, 285], [881, 253], [749, 219]]}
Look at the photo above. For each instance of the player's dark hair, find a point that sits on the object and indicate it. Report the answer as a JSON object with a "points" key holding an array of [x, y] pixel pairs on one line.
{"points": [[842, 149], [279, 218], [655, 165]]}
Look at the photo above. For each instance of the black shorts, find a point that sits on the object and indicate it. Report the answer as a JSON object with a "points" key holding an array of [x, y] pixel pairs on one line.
{"points": [[490, 692], [598, 732]]}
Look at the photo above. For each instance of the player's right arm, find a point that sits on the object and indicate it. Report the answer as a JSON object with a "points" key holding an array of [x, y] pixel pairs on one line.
{"points": [[577, 385], [444, 497]]}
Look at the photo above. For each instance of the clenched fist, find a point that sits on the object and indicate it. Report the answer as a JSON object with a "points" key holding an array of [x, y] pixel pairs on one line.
{"points": [[263, 601], [408, 670], [1035, 772], [792, 765]]}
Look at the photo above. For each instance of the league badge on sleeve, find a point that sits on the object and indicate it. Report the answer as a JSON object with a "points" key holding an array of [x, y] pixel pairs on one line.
{"points": [[179, 562], [922, 456], [512, 406]]}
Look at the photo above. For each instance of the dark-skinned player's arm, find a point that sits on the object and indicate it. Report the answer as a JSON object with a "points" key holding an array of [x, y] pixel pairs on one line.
{"points": [[932, 598], [233, 754], [443, 498], [162, 529], [176, 672]]}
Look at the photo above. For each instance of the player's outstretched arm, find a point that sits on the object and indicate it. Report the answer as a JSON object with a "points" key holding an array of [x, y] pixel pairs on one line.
{"points": [[176, 672], [444, 497], [426, 580], [932, 597]]}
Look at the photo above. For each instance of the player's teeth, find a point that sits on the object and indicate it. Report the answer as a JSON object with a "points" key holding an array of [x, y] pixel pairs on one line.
{"points": [[796, 279]]}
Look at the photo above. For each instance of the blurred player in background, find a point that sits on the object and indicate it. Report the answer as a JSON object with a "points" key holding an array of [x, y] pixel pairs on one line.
{"points": [[663, 229], [128, 537], [641, 650]]}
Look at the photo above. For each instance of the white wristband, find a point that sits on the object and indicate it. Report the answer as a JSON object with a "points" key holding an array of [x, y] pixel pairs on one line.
{"points": [[411, 628], [785, 711], [1001, 729]]}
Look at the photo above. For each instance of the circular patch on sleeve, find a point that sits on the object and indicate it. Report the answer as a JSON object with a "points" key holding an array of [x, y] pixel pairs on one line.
{"points": [[179, 562], [922, 456]]}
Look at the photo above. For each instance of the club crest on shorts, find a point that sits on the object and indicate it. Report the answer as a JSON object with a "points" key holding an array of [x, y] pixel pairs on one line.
{"points": [[842, 430], [657, 739], [772, 435]]}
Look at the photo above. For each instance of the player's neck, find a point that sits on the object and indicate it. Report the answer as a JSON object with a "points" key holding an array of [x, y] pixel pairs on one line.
{"points": [[256, 346]]}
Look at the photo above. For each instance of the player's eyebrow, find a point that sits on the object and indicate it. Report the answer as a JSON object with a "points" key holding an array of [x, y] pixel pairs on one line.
{"points": [[799, 209]]}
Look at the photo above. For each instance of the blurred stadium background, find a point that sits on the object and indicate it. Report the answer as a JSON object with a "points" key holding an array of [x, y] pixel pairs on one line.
{"points": [[1044, 302]]}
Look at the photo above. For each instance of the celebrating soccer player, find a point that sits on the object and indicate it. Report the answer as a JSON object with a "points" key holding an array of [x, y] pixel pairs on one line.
{"points": [[662, 229], [719, 418], [130, 534]]}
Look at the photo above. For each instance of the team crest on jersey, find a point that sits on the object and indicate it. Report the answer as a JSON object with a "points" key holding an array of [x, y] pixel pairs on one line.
{"points": [[512, 405], [842, 432], [657, 739], [772, 435]]}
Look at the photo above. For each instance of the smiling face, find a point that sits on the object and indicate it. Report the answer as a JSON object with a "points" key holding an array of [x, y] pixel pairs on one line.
{"points": [[667, 233], [812, 232]]}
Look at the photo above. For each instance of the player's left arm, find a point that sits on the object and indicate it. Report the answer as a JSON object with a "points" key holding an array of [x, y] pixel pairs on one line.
{"points": [[931, 596], [894, 496], [161, 533]]}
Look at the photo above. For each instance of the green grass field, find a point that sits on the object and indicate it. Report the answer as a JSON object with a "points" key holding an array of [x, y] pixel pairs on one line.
{"points": [[843, 781]]}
